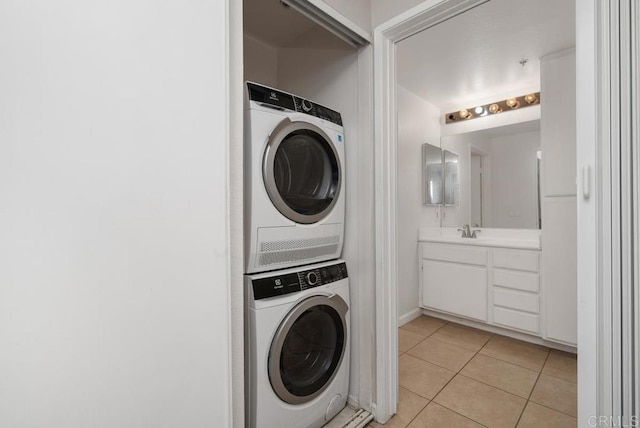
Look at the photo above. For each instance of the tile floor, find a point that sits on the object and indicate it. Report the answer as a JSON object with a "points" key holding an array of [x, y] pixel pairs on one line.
{"points": [[457, 376]]}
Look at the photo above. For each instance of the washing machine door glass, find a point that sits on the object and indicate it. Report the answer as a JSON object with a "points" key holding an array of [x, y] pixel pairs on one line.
{"points": [[302, 171], [308, 349]]}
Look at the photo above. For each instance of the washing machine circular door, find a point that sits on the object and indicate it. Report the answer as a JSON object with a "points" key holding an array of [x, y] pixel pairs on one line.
{"points": [[308, 348], [301, 171]]}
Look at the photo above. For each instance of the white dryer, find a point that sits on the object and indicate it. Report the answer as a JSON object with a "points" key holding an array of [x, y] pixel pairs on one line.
{"points": [[297, 346], [294, 181]]}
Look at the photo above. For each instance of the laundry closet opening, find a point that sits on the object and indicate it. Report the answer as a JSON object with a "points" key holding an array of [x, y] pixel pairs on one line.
{"points": [[308, 214]]}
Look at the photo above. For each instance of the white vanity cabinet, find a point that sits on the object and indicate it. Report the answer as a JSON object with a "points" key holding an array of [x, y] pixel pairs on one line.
{"points": [[498, 286], [454, 279], [516, 289]]}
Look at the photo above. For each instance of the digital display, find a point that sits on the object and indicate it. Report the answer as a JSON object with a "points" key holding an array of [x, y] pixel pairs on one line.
{"points": [[279, 285]]}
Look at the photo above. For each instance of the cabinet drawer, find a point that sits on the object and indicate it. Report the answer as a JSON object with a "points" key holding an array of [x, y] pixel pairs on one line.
{"points": [[515, 319], [455, 254], [517, 280], [519, 260], [516, 300], [457, 289]]}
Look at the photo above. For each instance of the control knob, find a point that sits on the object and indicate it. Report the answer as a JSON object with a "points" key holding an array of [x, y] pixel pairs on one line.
{"points": [[312, 278], [306, 105]]}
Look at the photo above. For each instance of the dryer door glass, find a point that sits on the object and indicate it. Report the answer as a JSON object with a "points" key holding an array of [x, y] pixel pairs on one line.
{"points": [[309, 354], [303, 174]]}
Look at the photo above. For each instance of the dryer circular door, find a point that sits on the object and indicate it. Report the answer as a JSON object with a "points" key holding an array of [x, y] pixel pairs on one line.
{"points": [[308, 348], [301, 171]]}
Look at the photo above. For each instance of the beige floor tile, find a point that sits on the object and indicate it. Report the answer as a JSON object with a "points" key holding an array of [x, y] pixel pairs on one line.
{"points": [[465, 337], [407, 340], [482, 403], [421, 377], [424, 325], [557, 394], [442, 354], [506, 376], [563, 365], [516, 352], [536, 416], [409, 405], [435, 415]]}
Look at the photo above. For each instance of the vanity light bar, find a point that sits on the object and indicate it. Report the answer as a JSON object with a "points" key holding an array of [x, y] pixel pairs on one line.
{"points": [[509, 104]]}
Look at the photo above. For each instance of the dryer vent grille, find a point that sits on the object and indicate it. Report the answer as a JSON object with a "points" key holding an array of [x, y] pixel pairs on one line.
{"points": [[286, 256], [294, 244]]}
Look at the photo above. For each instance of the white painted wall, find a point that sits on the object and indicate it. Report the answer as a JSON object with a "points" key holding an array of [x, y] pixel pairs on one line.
{"points": [[331, 78], [357, 11], [114, 308], [514, 180], [417, 124], [260, 62], [383, 10]]}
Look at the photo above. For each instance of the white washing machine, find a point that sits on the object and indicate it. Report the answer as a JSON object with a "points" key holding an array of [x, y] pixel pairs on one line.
{"points": [[297, 346], [294, 181]]}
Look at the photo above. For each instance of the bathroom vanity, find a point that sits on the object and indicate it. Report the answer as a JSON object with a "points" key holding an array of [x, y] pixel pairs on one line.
{"points": [[494, 279]]}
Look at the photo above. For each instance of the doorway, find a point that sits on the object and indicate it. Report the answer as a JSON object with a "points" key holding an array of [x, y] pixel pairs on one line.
{"points": [[480, 183], [386, 176]]}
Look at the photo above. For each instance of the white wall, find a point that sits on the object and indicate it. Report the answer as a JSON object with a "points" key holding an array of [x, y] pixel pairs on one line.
{"points": [[113, 214], [514, 181], [260, 62], [357, 11], [332, 78], [418, 123], [383, 10]]}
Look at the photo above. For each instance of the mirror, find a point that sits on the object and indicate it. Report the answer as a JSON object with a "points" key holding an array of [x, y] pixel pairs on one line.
{"points": [[432, 174], [450, 162], [499, 177]]}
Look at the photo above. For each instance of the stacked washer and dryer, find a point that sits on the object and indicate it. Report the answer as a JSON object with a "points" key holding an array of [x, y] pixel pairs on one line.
{"points": [[296, 287]]}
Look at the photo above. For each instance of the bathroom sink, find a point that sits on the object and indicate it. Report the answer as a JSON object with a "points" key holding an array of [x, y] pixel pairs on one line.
{"points": [[507, 238]]}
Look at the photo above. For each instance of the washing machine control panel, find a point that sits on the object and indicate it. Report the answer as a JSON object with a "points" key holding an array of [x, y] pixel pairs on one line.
{"points": [[281, 100], [279, 285]]}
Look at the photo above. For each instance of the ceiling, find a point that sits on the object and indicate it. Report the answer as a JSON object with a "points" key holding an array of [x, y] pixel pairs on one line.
{"points": [[475, 57], [280, 26]]}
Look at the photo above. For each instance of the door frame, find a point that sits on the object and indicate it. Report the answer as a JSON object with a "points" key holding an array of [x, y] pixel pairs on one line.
{"points": [[419, 18], [594, 266]]}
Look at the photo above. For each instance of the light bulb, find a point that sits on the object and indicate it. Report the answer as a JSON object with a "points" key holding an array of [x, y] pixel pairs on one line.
{"points": [[464, 114], [512, 102], [494, 108], [479, 110], [530, 98]]}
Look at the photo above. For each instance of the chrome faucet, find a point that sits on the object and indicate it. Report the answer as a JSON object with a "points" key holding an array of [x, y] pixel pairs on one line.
{"points": [[468, 233]]}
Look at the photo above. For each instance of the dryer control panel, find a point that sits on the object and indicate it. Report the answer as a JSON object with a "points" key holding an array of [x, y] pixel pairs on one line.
{"points": [[279, 285], [282, 100]]}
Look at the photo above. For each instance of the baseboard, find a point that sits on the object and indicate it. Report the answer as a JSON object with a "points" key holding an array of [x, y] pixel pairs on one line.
{"points": [[409, 316], [501, 331]]}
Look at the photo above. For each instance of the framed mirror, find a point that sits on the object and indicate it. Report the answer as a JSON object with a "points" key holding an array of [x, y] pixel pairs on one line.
{"points": [[496, 172]]}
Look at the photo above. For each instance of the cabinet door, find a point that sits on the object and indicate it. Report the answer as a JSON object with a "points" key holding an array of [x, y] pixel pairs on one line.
{"points": [[559, 273], [558, 125], [455, 288]]}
